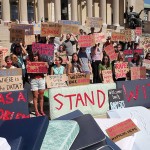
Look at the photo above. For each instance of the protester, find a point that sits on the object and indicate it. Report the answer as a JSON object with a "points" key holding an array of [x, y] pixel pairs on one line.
{"points": [[147, 56], [119, 48], [105, 65], [74, 66], [96, 53], [85, 62], [8, 63], [37, 82], [147, 71], [58, 69], [136, 61]]}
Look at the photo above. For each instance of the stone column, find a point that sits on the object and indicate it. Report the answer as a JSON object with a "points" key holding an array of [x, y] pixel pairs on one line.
{"points": [[23, 12], [103, 11], [40, 10], [57, 10], [89, 8], [74, 10], [6, 10], [148, 17], [116, 12]]}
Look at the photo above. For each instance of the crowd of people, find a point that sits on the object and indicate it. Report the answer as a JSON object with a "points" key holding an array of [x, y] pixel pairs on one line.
{"points": [[78, 61]]}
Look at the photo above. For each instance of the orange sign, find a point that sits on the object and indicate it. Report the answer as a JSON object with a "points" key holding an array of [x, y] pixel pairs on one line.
{"points": [[107, 76]]}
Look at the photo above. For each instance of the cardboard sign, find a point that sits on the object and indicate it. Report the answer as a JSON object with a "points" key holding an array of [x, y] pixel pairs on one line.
{"points": [[66, 28], [63, 55], [121, 70], [14, 105], [122, 130], [115, 36], [69, 22], [5, 51], [29, 39], [94, 22], [37, 67], [116, 99], [136, 92], [17, 35], [86, 41], [10, 72], [138, 73], [78, 79], [99, 37], [54, 81], [26, 27], [111, 52], [138, 31], [11, 83], [91, 99], [145, 44], [37, 28], [51, 29], [107, 76], [146, 64]]}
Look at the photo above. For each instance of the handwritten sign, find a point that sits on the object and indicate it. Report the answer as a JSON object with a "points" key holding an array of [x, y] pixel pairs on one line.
{"points": [[111, 52], [54, 81], [94, 22], [66, 28], [138, 73], [5, 51], [121, 70], [51, 29], [37, 28], [78, 79], [99, 37], [86, 40], [138, 31], [10, 72], [69, 22], [11, 83], [145, 44], [29, 39], [14, 105], [122, 130], [37, 67], [116, 99], [146, 64], [27, 28], [115, 36], [107, 76]]}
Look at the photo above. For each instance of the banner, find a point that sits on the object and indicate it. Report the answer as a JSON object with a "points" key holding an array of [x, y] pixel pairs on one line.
{"points": [[37, 28], [146, 63], [37, 67], [14, 105], [69, 22], [51, 29], [138, 73], [116, 99], [86, 41], [54, 81], [107, 76], [66, 28], [26, 27], [136, 92], [78, 79], [89, 99], [94, 22], [10, 72], [46, 51], [111, 52], [121, 70], [145, 44]]}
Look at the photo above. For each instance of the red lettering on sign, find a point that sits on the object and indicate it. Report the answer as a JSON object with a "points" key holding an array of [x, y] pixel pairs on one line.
{"points": [[79, 98], [21, 97], [55, 98], [70, 98]]}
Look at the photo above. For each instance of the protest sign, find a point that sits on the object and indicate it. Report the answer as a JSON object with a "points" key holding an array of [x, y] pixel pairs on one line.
{"points": [[37, 28], [111, 52], [121, 69], [54, 81], [136, 92], [78, 79], [116, 99], [69, 22], [10, 72], [63, 55], [17, 35], [29, 39], [146, 64], [145, 44], [91, 99], [11, 83], [94, 22], [115, 36], [51, 29], [138, 73], [66, 28], [129, 34], [99, 37], [5, 51], [138, 31], [37, 67], [26, 27], [122, 130], [14, 105], [86, 40], [107, 76]]}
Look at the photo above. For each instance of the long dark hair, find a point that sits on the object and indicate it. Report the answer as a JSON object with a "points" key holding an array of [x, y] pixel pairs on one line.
{"points": [[137, 62], [146, 57], [35, 53], [72, 61], [103, 62]]}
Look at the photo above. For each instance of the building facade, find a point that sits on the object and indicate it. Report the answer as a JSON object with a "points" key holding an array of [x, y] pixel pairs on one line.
{"points": [[26, 11]]}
